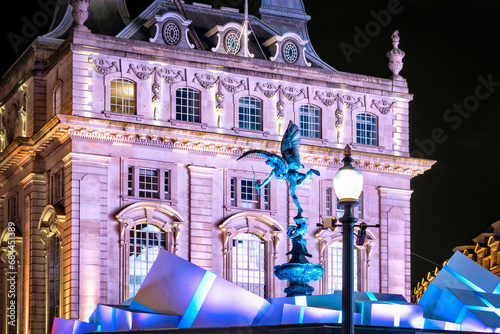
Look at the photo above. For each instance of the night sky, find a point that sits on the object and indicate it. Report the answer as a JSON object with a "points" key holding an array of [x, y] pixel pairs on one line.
{"points": [[452, 69]]}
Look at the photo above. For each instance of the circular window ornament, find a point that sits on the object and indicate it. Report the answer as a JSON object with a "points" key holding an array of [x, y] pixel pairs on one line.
{"points": [[232, 43], [171, 33], [290, 52]]}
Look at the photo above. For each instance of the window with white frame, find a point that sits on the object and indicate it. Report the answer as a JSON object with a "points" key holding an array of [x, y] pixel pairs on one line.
{"points": [[366, 129], [146, 240], [122, 94], [57, 100], [310, 121], [149, 183], [187, 105], [334, 277], [154, 183], [328, 202], [250, 113], [359, 207], [248, 263], [244, 194]]}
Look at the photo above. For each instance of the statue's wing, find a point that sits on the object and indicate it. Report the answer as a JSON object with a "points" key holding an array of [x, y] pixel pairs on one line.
{"points": [[290, 146], [282, 165]]}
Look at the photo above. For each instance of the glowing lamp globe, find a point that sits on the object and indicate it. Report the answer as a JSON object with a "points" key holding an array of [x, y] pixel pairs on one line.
{"points": [[348, 182]]}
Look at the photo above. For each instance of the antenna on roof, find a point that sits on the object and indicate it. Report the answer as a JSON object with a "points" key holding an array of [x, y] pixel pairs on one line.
{"points": [[245, 31]]}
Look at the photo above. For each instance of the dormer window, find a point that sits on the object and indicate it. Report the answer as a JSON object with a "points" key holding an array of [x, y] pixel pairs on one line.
{"points": [[290, 52], [171, 33], [289, 48], [232, 42]]}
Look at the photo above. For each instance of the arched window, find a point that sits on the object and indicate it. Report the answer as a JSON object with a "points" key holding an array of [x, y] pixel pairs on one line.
{"points": [[187, 105], [310, 121], [250, 113], [334, 269], [122, 95], [146, 240], [249, 263], [330, 256], [366, 129], [250, 249], [146, 227], [57, 100]]}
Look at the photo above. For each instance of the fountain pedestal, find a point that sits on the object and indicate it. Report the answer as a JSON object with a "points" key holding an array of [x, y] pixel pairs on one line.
{"points": [[298, 271]]}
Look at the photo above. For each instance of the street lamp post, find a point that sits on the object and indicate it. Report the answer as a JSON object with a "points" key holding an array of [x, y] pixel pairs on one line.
{"points": [[348, 183]]}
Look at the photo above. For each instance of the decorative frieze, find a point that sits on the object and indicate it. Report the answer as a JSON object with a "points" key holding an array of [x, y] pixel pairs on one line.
{"points": [[291, 93], [144, 72], [230, 84], [383, 106], [329, 98], [104, 66]]}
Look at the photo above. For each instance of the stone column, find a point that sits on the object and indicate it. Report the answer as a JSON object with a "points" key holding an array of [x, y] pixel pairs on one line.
{"points": [[201, 215]]}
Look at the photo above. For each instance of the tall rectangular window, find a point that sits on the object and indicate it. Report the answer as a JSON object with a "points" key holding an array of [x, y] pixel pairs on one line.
{"points": [[366, 129], [250, 113], [13, 208], [122, 94], [146, 240], [148, 183], [335, 268], [360, 206], [187, 107], [57, 102], [130, 181], [233, 191], [57, 187], [54, 276], [249, 196], [248, 263], [328, 202], [166, 190], [310, 121]]}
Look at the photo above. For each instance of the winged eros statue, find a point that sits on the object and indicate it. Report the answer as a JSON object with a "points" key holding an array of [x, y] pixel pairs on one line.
{"points": [[285, 167]]}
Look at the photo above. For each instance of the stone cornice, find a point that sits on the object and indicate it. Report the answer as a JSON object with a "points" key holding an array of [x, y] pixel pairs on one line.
{"points": [[63, 128]]}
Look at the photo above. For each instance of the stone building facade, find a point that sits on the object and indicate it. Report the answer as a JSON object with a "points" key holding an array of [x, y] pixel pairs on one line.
{"points": [[120, 136]]}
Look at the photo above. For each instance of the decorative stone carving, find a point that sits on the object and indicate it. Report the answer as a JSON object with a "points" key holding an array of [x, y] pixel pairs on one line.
{"points": [[269, 90], [395, 57], [232, 85], [80, 13], [329, 98], [104, 66], [383, 106], [144, 72]]}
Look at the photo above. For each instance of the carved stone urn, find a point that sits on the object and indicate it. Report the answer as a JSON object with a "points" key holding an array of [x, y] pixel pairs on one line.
{"points": [[395, 57], [80, 13]]}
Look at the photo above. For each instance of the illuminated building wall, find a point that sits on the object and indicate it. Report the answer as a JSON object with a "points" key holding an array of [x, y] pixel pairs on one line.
{"points": [[125, 127]]}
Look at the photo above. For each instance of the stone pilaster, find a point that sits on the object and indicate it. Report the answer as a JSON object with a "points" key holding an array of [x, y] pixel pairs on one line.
{"points": [[395, 251], [201, 215]]}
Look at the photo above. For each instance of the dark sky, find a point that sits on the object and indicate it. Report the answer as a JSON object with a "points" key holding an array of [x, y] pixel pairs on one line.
{"points": [[451, 65]]}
